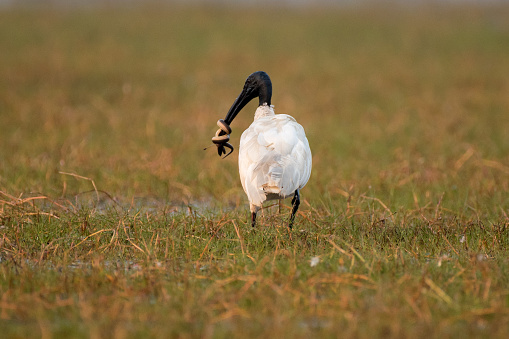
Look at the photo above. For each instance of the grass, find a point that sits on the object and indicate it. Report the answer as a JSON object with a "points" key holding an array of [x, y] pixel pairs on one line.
{"points": [[115, 223]]}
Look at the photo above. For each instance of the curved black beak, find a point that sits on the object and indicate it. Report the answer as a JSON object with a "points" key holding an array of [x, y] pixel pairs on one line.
{"points": [[247, 94], [257, 84]]}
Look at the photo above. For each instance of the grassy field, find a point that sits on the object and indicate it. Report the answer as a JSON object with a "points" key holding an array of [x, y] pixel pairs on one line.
{"points": [[114, 223]]}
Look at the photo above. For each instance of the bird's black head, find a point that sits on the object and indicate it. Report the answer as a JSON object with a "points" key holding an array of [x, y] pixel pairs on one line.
{"points": [[258, 85]]}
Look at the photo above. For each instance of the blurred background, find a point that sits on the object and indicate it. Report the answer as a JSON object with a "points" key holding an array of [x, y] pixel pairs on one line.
{"points": [[401, 100]]}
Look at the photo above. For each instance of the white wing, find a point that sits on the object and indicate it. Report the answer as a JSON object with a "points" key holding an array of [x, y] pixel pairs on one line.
{"points": [[274, 157]]}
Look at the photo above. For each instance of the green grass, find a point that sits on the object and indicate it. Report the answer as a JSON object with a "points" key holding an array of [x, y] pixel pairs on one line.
{"points": [[115, 223]]}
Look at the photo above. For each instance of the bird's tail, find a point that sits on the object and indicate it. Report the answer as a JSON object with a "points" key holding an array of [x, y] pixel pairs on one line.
{"points": [[267, 188], [273, 179]]}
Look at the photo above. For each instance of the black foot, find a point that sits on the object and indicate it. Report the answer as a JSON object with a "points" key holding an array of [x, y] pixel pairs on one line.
{"points": [[295, 204], [253, 219]]}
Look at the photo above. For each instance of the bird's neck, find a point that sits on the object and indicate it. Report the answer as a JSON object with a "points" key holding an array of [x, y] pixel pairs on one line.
{"points": [[264, 111]]}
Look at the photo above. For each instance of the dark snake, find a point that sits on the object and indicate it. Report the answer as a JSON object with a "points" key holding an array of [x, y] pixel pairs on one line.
{"points": [[222, 137]]}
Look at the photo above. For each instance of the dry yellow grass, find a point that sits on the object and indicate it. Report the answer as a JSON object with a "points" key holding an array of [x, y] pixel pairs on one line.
{"points": [[115, 223]]}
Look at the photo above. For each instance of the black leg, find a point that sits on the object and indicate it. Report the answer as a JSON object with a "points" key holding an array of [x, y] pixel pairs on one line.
{"points": [[295, 204], [253, 219]]}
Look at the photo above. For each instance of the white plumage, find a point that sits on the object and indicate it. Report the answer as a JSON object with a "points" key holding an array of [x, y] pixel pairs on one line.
{"points": [[274, 157], [274, 154]]}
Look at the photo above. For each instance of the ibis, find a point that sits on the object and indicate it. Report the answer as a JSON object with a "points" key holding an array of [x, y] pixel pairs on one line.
{"points": [[274, 154]]}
